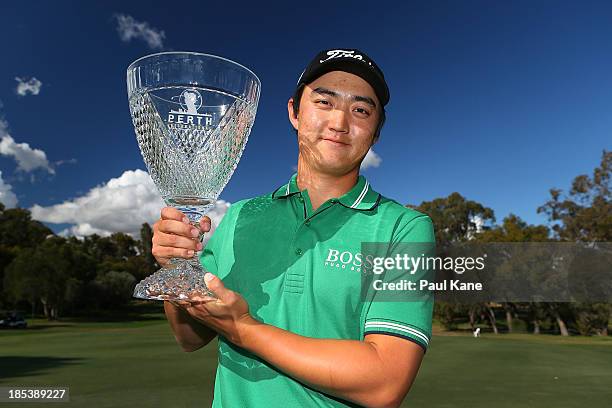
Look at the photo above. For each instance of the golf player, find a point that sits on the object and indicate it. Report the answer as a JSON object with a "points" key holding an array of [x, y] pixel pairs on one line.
{"points": [[286, 266]]}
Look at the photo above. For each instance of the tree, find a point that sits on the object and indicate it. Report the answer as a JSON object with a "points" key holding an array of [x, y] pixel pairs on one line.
{"points": [[7, 254], [115, 288], [145, 247], [39, 273], [17, 229], [455, 218], [514, 229], [53, 273], [584, 215]]}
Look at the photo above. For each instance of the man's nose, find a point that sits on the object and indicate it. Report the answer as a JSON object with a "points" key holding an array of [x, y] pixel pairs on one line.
{"points": [[338, 121]]}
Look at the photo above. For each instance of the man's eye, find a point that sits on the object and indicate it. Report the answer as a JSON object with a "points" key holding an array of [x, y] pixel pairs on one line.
{"points": [[322, 101], [362, 110]]}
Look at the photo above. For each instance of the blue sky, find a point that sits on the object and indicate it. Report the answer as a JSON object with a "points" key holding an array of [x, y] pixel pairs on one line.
{"points": [[497, 101]]}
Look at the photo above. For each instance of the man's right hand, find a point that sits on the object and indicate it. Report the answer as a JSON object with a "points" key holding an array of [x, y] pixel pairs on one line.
{"points": [[175, 237]]}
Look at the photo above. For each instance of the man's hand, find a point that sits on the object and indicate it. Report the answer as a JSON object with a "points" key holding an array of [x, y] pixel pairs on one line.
{"points": [[375, 372], [175, 237], [226, 314]]}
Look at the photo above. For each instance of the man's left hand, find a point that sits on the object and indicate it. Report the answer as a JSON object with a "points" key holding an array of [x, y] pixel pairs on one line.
{"points": [[224, 314]]}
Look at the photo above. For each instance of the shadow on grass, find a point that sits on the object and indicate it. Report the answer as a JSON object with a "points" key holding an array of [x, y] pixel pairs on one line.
{"points": [[119, 318], [137, 311], [21, 366], [41, 326]]}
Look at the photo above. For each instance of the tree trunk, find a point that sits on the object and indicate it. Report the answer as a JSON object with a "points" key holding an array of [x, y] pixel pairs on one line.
{"points": [[473, 318], [536, 327], [561, 323], [45, 308], [508, 317], [492, 319]]}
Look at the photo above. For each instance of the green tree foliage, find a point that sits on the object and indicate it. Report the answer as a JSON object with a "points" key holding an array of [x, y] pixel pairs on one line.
{"points": [[68, 275], [514, 229], [114, 289], [40, 273], [454, 217], [146, 245], [144, 264], [585, 214], [454, 220], [17, 229]]}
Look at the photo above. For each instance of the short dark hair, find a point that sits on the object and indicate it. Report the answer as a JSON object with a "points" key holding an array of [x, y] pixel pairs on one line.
{"points": [[297, 96]]}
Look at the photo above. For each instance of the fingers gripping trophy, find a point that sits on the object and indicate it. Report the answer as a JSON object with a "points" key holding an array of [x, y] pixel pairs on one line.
{"points": [[192, 114]]}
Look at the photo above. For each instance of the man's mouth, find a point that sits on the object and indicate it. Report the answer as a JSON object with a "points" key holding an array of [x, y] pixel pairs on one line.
{"points": [[335, 142]]}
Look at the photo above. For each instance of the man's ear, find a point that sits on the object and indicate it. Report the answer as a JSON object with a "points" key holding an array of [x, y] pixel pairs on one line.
{"points": [[292, 119]]}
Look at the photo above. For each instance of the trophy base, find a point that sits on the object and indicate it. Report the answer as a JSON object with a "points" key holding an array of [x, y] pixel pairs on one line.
{"points": [[181, 282]]}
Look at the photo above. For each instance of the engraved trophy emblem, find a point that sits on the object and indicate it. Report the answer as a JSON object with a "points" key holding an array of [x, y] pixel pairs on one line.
{"points": [[192, 114]]}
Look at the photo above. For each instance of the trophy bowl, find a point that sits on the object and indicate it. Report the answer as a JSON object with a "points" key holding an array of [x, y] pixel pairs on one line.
{"points": [[192, 114]]}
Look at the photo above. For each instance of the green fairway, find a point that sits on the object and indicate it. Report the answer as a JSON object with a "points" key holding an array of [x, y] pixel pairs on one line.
{"points": [[138, 363]]}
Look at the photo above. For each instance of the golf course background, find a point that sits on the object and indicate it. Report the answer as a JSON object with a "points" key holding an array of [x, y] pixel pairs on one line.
{"points": [[138, 363], [89, 334]]}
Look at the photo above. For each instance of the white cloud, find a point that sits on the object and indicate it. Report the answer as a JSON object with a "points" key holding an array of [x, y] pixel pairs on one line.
{"points": [[67, 161], [7, 197], [129, 29], [371, 160], [123, 204], [31, 86], [28, 159]]}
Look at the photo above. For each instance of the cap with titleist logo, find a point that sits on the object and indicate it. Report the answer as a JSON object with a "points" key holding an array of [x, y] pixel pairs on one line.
{"points": [[348, 60]]}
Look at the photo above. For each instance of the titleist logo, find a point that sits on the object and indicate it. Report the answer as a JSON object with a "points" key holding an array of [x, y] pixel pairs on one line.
{"points": [[343, 54]]}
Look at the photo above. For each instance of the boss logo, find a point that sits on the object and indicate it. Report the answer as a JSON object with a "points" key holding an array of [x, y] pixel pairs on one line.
{"points": [[344, 260]]}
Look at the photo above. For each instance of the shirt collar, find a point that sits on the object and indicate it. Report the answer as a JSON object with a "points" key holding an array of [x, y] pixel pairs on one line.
{"points": [[361, 197]]}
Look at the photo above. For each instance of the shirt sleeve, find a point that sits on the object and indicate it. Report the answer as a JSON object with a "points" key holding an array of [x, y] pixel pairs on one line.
{"points": [[408, 316], [212, 252]]}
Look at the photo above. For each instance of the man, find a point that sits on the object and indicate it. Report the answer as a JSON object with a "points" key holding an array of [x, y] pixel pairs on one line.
{"points": [[292, 329]]}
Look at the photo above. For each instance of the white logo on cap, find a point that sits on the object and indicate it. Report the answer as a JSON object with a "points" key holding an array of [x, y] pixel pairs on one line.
{"points": [[343, 54]]}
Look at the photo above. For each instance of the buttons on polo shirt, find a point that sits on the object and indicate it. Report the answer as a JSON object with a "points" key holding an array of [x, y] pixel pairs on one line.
{"points": [[301, 198], [307, 222], [298, 251], [333, 200]]}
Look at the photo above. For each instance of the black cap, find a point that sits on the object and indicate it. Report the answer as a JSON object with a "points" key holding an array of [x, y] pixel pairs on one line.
{"points": [[348, 60]]}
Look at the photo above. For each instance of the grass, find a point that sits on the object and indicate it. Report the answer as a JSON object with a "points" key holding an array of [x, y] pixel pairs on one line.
{"points": [[137, 363]]}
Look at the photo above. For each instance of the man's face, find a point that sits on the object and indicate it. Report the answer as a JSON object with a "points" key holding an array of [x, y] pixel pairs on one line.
{"points": [[337, 119]]}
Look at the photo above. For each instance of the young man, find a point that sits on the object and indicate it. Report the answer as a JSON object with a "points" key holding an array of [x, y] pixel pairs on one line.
{"points": [[292, 329]]}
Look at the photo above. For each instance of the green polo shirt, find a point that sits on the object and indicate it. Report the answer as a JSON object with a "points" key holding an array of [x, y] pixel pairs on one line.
{"points": [[300, 270]]}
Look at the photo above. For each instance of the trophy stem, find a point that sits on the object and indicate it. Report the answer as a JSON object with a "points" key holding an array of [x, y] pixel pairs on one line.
{"points": [[194, 209]]}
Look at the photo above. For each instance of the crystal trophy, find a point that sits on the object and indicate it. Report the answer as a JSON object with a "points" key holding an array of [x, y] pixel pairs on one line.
{"points": [[192, 114]]}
